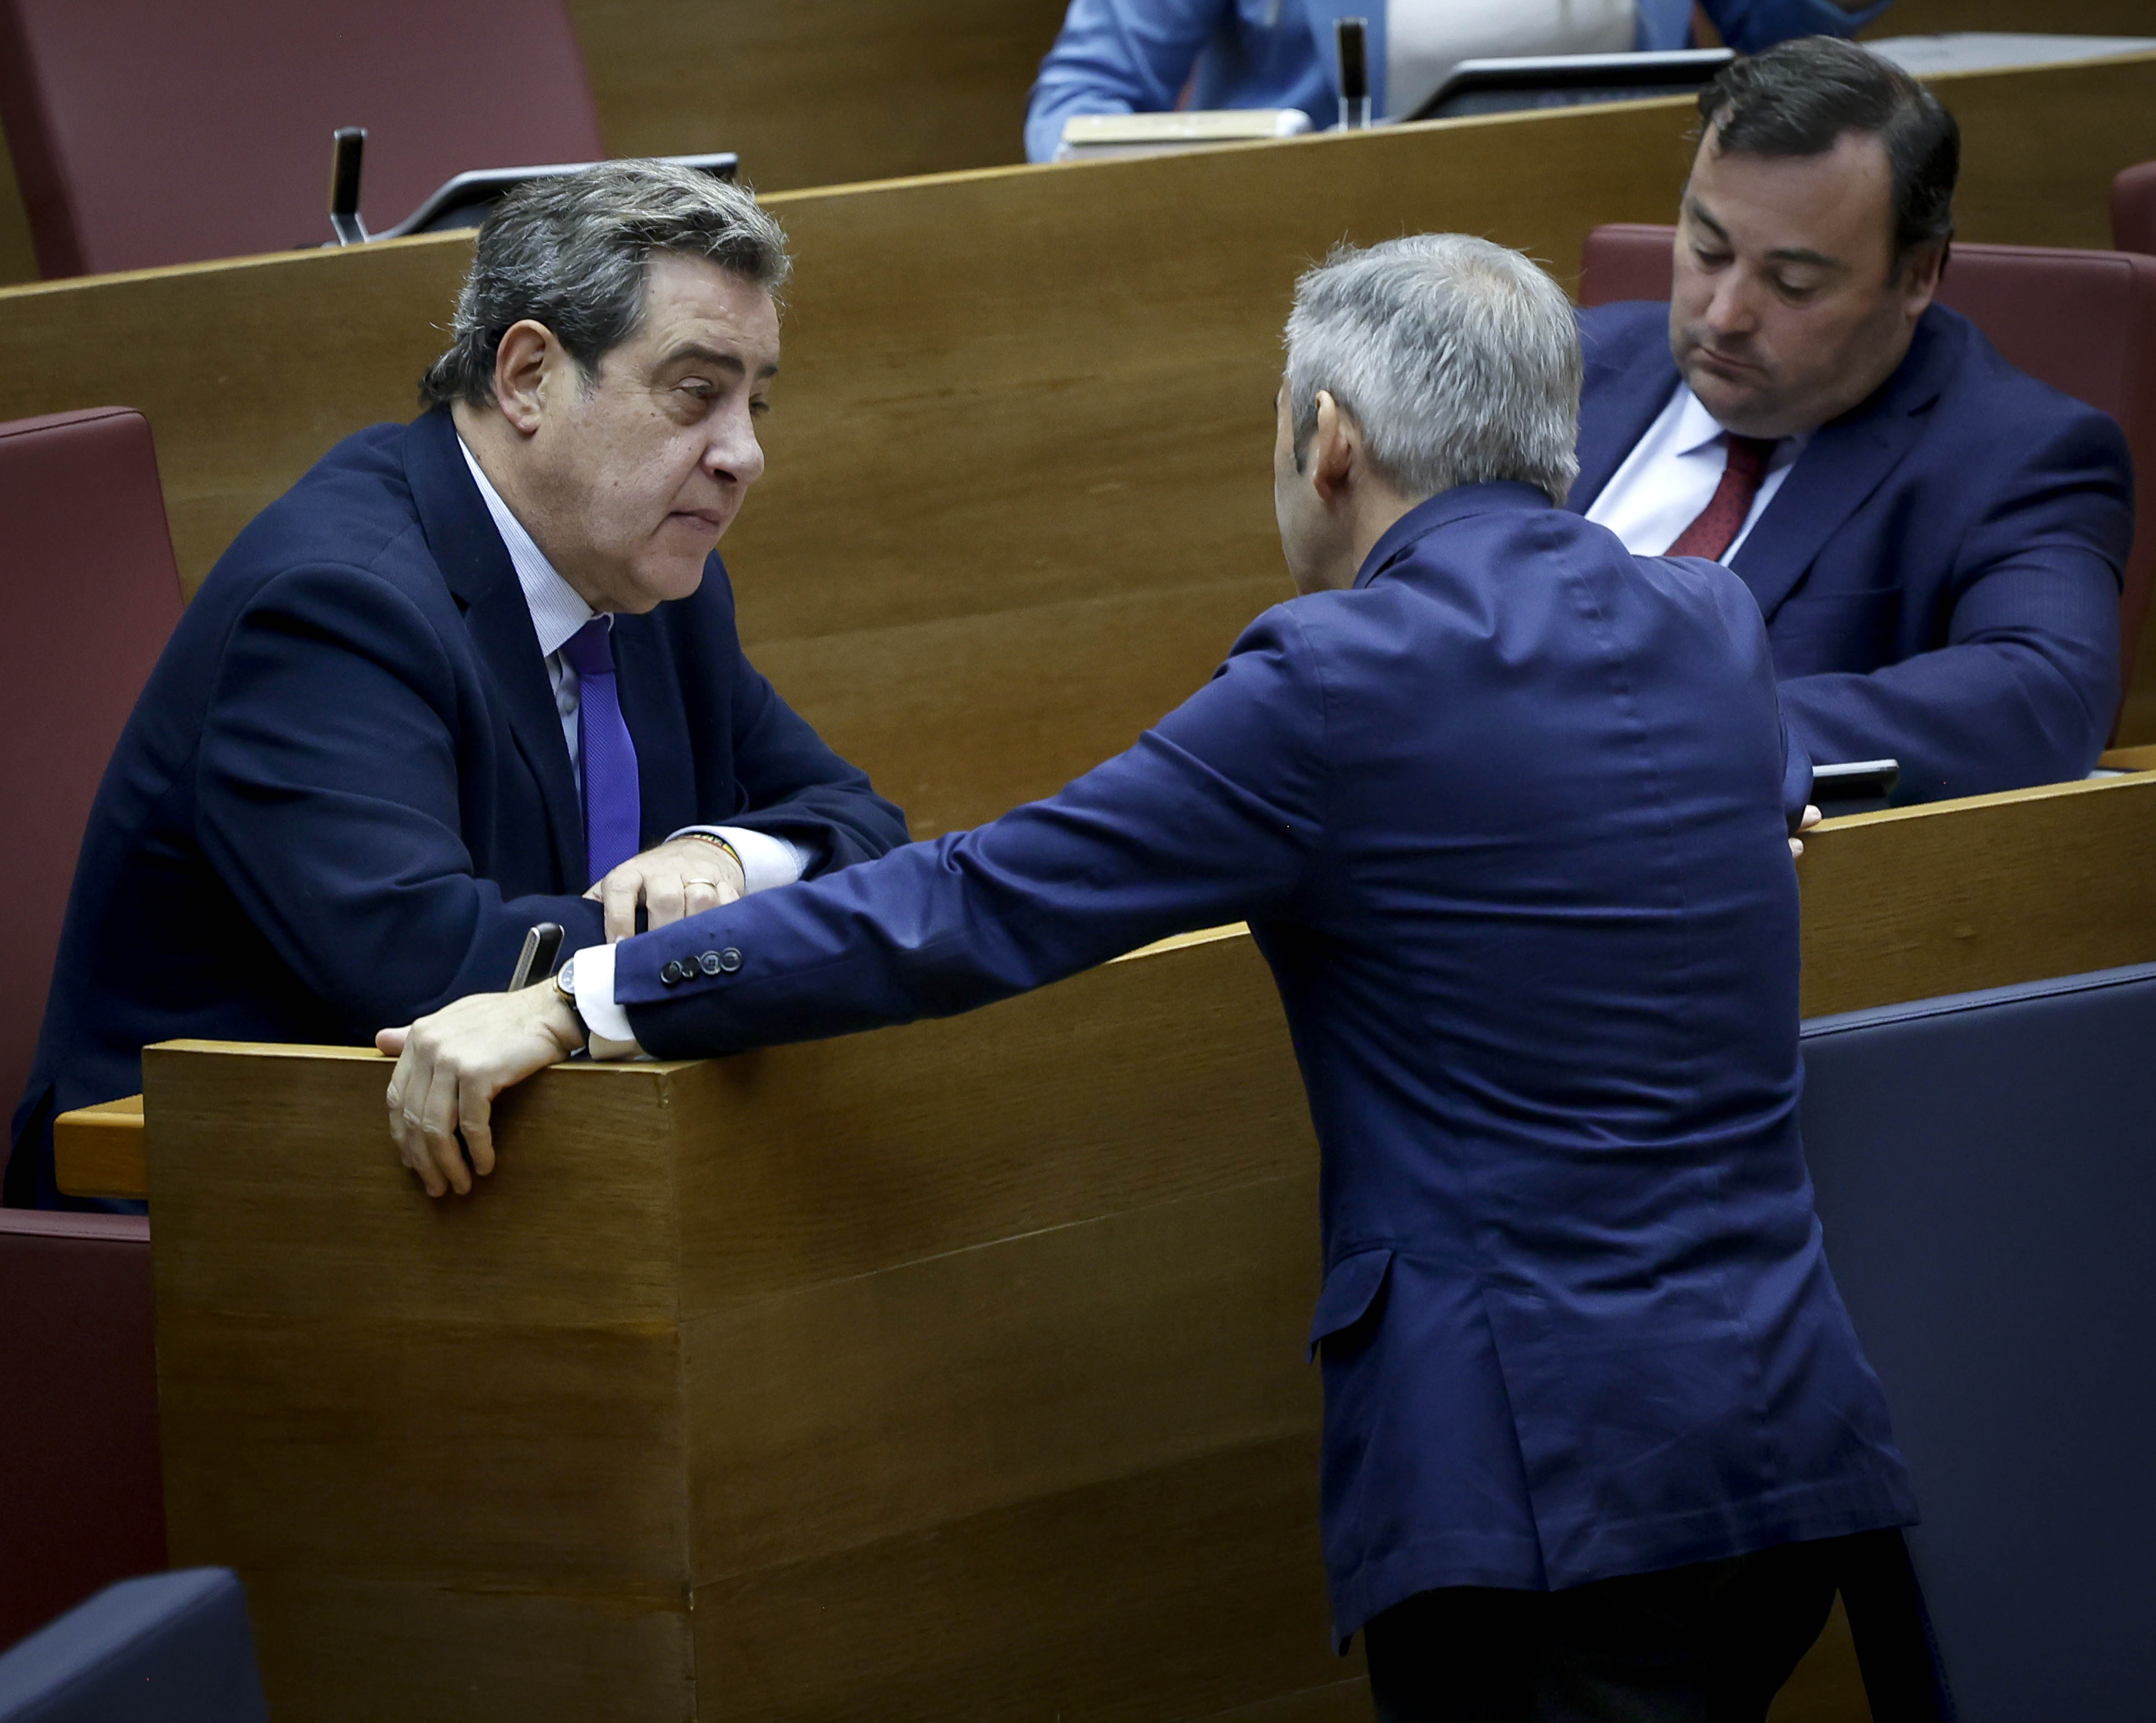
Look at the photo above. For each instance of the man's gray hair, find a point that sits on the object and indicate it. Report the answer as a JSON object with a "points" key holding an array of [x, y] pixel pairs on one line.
{"points": [[574, 253], [1459, 359]]}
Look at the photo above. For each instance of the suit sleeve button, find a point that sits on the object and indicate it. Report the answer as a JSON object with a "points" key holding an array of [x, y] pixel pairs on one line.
{"points": [[729, 960], [671, 973], [709, 962]]}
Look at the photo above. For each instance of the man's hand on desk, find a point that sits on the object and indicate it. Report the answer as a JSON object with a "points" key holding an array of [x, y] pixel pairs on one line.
{"points": [[450, 1067], [1811, 818], [681, 877]]}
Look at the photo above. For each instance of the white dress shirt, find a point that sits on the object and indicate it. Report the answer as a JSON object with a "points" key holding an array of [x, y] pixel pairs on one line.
{"points": [[557, 613], [1670, 478], [1425, 39]]}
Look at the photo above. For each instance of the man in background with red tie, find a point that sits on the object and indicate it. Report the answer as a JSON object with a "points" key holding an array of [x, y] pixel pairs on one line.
{"points": [[1935, 539], [470, 674]]}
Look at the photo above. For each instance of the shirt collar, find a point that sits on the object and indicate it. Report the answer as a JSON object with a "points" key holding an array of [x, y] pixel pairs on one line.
{"points": [[1696, 428], [1487, 497], [558, 610]]}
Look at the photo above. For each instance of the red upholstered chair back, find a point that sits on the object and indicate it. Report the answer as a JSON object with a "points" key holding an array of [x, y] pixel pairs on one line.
{"points": [[145, 132], [2082, 321], [82, 1499], [2133, 209], [91, 593]]}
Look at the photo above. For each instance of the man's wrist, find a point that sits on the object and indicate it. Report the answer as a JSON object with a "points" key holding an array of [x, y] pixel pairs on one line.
{"points": [[714, 839], [610, 1035], [565, 996]]}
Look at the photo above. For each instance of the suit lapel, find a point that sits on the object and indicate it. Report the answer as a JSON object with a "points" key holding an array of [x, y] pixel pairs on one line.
{"points": [[1846, 461], [1618, 404], [475, 564]]}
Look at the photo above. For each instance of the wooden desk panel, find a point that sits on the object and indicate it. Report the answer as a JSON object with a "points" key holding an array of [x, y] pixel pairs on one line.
{"points": [[1018, 500], [1911, 903], [97, 1151], [817, 92], [949, 1372]]}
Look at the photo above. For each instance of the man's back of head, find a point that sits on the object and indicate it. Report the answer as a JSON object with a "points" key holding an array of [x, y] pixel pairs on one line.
{"points": [[1415, 367]]}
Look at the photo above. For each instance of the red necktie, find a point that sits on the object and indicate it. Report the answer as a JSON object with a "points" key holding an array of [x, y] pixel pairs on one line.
{"points": [[1722, 519]]}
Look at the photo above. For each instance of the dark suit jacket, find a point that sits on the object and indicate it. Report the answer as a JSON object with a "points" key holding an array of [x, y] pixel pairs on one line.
{"points": [[1508, 821], [1940, 570], [345, 796]]}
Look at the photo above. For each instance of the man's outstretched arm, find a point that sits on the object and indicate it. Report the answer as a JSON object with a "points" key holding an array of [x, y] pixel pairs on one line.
{"points": [[1214, 816]]}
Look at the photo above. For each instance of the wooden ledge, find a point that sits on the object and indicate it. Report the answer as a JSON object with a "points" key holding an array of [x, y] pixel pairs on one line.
{"points": [[97, 1151]]}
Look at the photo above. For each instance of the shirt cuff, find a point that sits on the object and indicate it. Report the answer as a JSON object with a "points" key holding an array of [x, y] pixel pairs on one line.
{"points": [[765, 860], [607, 1021]]}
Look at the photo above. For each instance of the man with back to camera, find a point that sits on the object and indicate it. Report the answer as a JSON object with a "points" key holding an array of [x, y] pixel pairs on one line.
{"points": [[468, 675], [1505, 809], [1937, 540]]}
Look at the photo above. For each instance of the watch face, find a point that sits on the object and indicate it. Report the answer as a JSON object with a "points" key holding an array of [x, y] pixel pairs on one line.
{"points": [[565, 978]]}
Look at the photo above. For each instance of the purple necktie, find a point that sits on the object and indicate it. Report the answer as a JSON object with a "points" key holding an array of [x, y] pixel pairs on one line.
{"points": [[614, 814]]}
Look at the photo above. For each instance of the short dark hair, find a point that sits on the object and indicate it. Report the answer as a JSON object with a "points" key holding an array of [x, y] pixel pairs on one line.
{"points": [[575, 253], [1799, 97]]}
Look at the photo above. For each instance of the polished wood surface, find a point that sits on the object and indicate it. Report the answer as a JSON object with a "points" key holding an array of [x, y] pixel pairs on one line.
{"points": [[1911, 903], [949, 1372], [1018, 500], [2142, 758], [778, 1386], [818, 92], [97, 1151]]}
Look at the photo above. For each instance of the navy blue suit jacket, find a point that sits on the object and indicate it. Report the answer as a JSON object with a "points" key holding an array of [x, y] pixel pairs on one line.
{"points": [[1507, 820], [1939, 572], [345, 797]]}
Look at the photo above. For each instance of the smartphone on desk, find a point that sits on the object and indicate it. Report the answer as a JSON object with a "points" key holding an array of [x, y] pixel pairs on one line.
{"points": [[1854, 786]]}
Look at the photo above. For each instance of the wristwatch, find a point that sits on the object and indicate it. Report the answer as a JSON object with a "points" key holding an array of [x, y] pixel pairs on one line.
{"points": [[565, 990]]}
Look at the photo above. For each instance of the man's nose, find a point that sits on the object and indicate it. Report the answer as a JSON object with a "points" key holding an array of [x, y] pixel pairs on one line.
{"points": [[1733, 308], [733, 452]]}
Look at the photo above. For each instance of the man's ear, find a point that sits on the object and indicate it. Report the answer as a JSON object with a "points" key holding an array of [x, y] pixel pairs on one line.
{"points": [[1924, 266], [519, 366], [1333, 447]]}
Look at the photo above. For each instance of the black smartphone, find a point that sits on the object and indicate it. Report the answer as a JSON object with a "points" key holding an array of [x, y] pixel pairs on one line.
{"points": [[1855, 786], [536, 961]]}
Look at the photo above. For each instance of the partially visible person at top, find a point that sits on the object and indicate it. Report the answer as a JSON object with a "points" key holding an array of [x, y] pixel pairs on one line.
{"points": [[1138, 56]]}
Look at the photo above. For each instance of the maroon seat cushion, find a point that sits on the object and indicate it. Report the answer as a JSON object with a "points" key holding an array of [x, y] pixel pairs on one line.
{"points": [[82, 1500], [2133, 209], [2082, 321], [92, 595], [146, 133]]}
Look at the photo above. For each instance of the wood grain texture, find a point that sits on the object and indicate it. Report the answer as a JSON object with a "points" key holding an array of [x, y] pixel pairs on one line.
{"points": [[816, 92], [1911, 903], [97, 1151], [1019, 499], [949, 1372]]}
